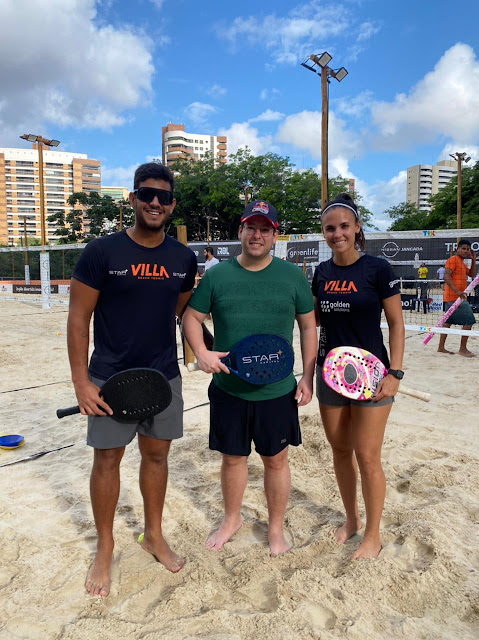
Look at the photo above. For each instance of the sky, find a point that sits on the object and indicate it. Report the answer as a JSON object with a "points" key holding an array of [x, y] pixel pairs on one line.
{"points": [[103, 77]]}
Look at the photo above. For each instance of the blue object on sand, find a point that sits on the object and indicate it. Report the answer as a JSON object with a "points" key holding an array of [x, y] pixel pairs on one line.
{"points": [[11, 441]]}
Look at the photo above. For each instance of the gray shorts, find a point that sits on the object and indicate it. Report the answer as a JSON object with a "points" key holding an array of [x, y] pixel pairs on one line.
{"points": [[106, 433], [329, 397], [462, 316]]}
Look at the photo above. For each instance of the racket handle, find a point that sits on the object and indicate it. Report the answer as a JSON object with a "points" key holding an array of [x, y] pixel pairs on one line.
{"points": [[193, 366], [69, 411], [420, 395], [428, 337]]}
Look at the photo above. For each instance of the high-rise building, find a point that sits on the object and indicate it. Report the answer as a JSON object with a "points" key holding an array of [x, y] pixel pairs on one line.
{"points": [[177, 143], [425, 180], [118, 194], [63, 174]]}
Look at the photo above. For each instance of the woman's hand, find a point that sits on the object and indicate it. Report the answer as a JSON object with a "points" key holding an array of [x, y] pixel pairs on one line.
{"points": [[387, 388]]}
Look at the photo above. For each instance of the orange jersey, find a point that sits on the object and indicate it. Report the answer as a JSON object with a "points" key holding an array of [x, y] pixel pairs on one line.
{"points": [[458, 276]]}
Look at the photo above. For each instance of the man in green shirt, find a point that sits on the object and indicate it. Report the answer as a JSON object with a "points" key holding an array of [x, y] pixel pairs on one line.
{"points": [[253, 293]]}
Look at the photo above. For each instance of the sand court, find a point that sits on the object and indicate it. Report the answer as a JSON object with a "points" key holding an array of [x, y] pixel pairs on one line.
{"points": [[424, 585]]}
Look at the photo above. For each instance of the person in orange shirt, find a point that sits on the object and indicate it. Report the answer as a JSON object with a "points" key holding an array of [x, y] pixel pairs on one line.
{"points": [[455, 277]]}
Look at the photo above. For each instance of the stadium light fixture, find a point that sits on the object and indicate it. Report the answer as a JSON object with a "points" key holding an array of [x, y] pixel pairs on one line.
{"points": [[340, 74], [322, 60]]}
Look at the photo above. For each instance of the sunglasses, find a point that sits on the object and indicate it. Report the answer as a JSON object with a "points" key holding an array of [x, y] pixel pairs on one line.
{"points": [[147, 194]]}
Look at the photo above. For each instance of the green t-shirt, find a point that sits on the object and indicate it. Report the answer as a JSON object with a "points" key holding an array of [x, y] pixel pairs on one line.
{"points": [[242, 303]]}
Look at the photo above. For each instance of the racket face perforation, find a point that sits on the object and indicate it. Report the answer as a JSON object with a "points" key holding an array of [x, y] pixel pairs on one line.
{"points": [[137, 394], [353, 372], [261, 359]]}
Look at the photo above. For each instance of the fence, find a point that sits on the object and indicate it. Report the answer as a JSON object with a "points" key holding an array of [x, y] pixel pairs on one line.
{"points": [[421, 298]]}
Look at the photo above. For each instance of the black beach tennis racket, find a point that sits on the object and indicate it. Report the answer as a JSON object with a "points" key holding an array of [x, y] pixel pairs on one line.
{"points": [[133, 394], [262, 358]]}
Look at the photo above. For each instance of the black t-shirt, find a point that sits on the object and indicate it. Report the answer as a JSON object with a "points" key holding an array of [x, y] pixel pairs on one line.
{"points": [[134, 319], [350, 304]]}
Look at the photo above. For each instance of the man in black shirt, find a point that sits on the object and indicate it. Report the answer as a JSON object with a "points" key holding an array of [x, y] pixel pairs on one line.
{"points": [[134, 282]]}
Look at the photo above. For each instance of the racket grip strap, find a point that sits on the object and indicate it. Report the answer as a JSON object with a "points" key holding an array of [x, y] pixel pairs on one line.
{"points": [[414, 393], [69, 411]]}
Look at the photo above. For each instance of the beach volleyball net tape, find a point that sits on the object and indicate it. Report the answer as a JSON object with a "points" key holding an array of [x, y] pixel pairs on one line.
{"points": [[421, 298]]}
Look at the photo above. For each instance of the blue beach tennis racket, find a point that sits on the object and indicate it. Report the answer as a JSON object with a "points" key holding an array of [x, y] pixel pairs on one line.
{"points": [[259, 359]]}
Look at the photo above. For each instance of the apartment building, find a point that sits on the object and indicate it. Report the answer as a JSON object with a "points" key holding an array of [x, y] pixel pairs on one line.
{"points": [[63, 174], [425, 180], [177, 143], [118, 194]]}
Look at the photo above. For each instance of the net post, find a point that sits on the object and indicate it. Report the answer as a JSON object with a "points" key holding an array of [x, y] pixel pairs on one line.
{"points": [[188, 351]]}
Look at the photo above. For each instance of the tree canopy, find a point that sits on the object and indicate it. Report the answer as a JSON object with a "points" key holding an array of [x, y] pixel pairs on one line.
{"points": [[97, 216], [203, 189], [443, 214]]}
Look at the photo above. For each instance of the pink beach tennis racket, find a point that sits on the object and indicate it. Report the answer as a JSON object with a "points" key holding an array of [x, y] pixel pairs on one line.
{"points": [[355, 373]]}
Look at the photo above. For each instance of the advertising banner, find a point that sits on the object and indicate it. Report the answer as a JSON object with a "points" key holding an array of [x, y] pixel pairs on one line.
{"points": [[33, 288]]}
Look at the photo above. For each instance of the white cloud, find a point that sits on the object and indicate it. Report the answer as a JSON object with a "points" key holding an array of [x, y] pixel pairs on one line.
{"points": [[367, 30], [380, 195], [453, 147], [70, 71], [158, 4], [199, 112], [269, 94], [307, 27], [289, 38], [119, 176], [216, 90], [303, 130], [268, 116], [444, 103], [356, 107], [241, 135]]}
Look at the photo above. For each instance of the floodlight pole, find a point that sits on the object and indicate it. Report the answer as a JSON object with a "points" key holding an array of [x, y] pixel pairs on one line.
{"points": [[44, 256], [322, 62], [460, 158], [324, 136]]}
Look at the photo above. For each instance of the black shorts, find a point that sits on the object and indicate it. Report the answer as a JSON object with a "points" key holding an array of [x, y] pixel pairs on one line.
{"points": [[271, 424]]}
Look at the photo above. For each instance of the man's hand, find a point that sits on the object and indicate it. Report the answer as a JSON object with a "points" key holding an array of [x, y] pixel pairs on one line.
{"points": [[90, 401], [387, 388], [209, 361], [304, 391]]}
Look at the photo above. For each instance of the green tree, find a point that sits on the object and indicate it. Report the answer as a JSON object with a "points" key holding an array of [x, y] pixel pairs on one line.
{"points": [[406, 217], [98, 215], [444, 203]]}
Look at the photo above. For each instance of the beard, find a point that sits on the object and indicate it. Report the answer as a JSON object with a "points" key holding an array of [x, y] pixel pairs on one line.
{"points": [[152, 227]]}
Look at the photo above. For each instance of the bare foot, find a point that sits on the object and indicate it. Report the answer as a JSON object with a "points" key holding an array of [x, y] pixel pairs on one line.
{"points": [[225, 532], [367, 549], [347, 530], [277, 544], [98, 579], [162, 553], [445, 351], [466, 353]]}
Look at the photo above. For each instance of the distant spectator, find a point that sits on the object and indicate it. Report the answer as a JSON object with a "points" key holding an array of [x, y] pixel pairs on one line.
{"points": [[422, 271], [455, 277], [440, 273], [423, 286], [210, 259]]}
